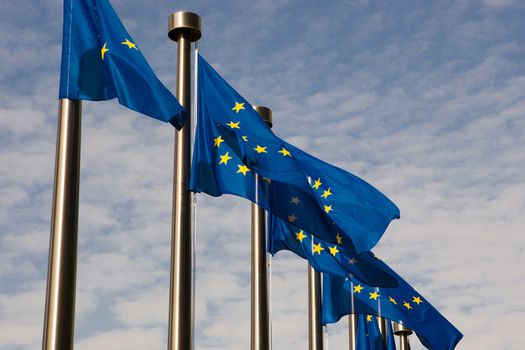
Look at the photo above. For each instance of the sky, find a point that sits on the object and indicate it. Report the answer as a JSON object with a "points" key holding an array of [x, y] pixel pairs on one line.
{"points": [[423, 99]]}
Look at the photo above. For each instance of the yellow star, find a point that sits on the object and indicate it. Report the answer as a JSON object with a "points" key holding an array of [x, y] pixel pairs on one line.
{"points": [[217, 141], [129, 44], [260, 149], [326, 193], [339, 238], [317, 249], [417, 300], [104, 50], [238, 107], [328, 208], [392, 300], [374, 295], [245, 138], [225, 158], [368, 318], [317, 183], [285, 152], [333, 250], [242, 169], [407, 305], [358, 288], [300, 236], [233, 125]]}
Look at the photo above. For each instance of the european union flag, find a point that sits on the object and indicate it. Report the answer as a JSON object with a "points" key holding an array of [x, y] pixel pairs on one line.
{"points": [[401, 304], [369, 336], [233, 142], [100, 61], [334, 258]]}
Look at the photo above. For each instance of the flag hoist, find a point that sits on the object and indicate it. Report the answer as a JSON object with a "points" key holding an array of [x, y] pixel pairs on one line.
{"points": [[100, 61], [260, 313], [184, 28]]}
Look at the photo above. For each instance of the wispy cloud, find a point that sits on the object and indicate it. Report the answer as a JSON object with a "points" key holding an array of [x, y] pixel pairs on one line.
{"points": [[425, 101]]}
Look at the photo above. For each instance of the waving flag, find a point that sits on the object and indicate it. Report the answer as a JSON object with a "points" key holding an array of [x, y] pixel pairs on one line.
{"points": [[232, 143], [369, 336], [401, 304], [100, 61], [326, 257]]}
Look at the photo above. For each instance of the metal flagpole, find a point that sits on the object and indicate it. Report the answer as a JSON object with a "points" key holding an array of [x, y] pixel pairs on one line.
{"points": [[184, 28], [352, 322], [260, 330], [315, 329], [270, 306], [403, 333], [382, 322], [59, 320]]}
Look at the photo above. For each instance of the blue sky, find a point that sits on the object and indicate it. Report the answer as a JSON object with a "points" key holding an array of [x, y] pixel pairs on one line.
{"points": [[425, 100]]}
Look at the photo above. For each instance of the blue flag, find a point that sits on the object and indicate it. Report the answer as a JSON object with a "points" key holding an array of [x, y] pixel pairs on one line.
{"points": [[401, 304], [100, 61], [233, 143], [369, 336], [334, 258]]}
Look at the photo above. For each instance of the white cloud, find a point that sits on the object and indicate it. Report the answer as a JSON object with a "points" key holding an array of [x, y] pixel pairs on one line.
{"points": [[131, 338], [425, 102]]}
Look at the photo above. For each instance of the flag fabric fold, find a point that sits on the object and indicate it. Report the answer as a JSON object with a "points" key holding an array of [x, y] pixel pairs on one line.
{"points": [[232, 143], [368, 335], [325, 257], [345, 271], [401, 304], [100, 61]]}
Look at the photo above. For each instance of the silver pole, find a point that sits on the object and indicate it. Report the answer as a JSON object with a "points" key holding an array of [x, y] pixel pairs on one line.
{"points": [[352, 331], [260, 313], [403, 333], [184, 28], [59, 319], [315, 328], [382, 322], [352, 322]]}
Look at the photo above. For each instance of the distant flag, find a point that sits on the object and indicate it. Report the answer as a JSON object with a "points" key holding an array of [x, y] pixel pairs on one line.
{"points": [[402, 304], [101, 61], [368, 335], [335, 258], [233, 142]]}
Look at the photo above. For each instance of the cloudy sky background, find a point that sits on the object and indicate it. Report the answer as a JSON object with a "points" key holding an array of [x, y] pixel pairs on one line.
{"points": [[425, 100]]}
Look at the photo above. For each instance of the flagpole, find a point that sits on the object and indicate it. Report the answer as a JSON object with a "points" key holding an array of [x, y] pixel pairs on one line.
{"points": [[352, 322], [184, 28], [59, 319], [315, 328], [381, 321], [260, 332], [403, 333]]}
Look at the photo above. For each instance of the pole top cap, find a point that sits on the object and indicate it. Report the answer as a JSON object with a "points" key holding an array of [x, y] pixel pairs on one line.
{"points": [[183, 22], [265, 113], [400, 329]]}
